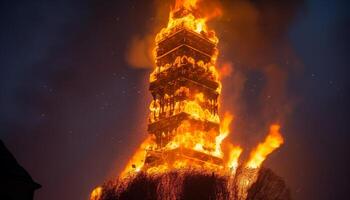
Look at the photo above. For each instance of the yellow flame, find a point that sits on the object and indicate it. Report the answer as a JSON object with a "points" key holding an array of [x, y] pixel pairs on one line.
{"points": [[224, 131], [273, 140], [186, 20], [191, 107], [96, 194], [234, 155], [187, 4], [188, 137], [210, 68]]}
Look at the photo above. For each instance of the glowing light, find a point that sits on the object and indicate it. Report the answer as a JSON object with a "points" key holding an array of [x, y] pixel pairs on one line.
{"points": [[136, 162], [96, 194], [232, 163], [273, 140], [224, 131]]}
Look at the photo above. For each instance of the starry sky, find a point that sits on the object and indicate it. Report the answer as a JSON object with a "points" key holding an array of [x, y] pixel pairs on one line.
{"points": [[73, 108]]}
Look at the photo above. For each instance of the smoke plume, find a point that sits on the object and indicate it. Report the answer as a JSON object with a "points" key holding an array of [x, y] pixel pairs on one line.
{"points": [[254, 38]]}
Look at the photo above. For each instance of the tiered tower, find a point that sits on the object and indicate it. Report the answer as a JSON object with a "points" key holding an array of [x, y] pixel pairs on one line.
{"points": [[185, 91]]}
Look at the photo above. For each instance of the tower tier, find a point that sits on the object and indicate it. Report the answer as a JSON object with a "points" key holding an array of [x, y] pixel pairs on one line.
{"points": [[187, 71], [166, 129], [155, 158], [188, 38]]}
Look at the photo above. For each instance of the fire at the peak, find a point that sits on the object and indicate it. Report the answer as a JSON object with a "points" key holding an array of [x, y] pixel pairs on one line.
{"points": [[185, 130]]}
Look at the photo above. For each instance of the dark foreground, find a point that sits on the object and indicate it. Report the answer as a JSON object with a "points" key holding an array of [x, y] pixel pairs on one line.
{"points": [[192, 185]]}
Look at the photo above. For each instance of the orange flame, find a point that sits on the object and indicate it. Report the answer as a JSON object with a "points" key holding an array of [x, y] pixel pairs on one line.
{"points": [[235, 152], [273, 140], [224, 131], [136, 162], [187, 4], [96, 194], [186, 19]]}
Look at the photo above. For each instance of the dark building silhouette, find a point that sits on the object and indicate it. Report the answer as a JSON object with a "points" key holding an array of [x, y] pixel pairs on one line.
{"points": [[15, 182]]}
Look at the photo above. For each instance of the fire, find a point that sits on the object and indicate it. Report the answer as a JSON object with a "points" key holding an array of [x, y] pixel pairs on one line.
{"points": [[196, 111], [184, 124], [273, 140], [224, 131], [185, 130], [185, 15], [235, 152], [192, 107], [96, 194], [188, 4], [193, 139], [136, 163]]}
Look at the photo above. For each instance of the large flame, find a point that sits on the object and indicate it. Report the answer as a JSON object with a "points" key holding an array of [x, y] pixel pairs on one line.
{"points": [[96, 194], [185, 14], [191, 107], [273, 140], [188, 4], [234, 154]]}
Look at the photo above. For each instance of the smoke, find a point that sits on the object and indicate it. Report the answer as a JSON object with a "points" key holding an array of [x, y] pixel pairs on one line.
{"points": [[140, 49], [254, 37], [139, 53]]}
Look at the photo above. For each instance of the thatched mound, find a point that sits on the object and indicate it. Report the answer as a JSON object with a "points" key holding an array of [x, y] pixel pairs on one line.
{"points": [[192, 185], [269, 186]]}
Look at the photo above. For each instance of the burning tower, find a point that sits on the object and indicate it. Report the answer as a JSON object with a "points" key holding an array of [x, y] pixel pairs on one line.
{"points": [[185, 91], [184, 127], [185, 130]]}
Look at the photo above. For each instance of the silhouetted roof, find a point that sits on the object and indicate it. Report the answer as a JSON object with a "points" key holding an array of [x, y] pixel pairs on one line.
{"points": [[11, 172]]}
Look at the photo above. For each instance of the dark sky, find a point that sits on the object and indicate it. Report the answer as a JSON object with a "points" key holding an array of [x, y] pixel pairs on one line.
{"points": [[72, 110]]}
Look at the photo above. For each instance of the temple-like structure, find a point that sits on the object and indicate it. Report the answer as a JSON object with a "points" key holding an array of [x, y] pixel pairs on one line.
{"points": [[185, 93]]}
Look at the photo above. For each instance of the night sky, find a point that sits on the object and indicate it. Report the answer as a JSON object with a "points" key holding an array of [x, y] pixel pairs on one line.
{"points": [[73, 108]]}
